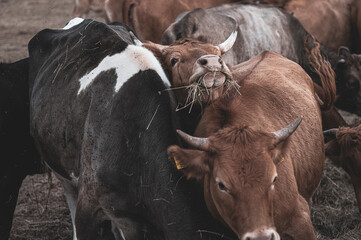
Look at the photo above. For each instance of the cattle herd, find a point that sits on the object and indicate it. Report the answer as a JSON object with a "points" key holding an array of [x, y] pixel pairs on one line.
{"points": [[186, 119]]}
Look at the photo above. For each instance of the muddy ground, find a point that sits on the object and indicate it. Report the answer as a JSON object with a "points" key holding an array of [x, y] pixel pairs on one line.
{"points": [[41, 211]]}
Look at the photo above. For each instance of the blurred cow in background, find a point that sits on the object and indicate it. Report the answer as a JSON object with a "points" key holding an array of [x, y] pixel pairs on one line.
{"points": [[18, 155], [345, 151], [334, 23], [82, 7], [149, 19]]}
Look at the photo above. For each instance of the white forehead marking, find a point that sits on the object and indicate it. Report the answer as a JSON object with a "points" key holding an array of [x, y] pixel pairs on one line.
{"points": [[73, 22], [127, 63]]}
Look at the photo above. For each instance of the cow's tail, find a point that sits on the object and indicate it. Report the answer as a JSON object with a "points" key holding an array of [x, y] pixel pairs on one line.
{"points": [[322, 68]]}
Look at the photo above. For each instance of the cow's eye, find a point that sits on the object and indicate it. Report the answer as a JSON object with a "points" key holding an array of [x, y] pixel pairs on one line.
{"points": [[174, 61], [275, 179], [273, 183], [222, 187]]}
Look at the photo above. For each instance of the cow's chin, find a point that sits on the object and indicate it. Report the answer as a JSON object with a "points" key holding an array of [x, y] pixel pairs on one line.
{"points": [[209, 95], [204, 88]]}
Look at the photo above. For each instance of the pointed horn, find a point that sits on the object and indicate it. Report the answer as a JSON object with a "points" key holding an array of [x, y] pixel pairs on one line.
{"points": [[284, 133], [330, 132], [228, 44], [199, 143], [136, 41]]}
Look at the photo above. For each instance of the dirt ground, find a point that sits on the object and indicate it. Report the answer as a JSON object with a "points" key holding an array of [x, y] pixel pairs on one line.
{"points": [[42, 213]]}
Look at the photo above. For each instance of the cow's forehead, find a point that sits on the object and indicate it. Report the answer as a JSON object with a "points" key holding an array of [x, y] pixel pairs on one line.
{"points": [[243, 171]]}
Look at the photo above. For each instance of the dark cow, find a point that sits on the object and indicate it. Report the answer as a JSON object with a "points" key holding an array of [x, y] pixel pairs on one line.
{"points": [[263, 27], [242, 147], [349, 87], [19, 157], [102, 121], [345, 151]]}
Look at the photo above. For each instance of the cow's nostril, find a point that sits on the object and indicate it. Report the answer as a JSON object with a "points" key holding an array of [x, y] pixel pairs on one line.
{"points": [[273, 236], [220, 61], [202, 61]]}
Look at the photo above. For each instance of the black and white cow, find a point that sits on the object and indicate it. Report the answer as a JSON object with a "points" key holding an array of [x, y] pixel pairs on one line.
{"points": [[18, 156], [102, 122], [263, 27]]}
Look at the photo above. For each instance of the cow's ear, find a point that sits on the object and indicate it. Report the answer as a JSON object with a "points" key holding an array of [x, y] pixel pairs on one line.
{"points": [[277, 150], [156, 49], [193, 163], [333, 151]]}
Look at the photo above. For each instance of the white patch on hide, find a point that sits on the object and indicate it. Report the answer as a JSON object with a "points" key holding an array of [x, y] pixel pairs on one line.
{"points": [[126, 64]]}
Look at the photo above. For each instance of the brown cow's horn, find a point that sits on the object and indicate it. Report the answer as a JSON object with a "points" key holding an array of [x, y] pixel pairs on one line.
{"points": [[136, 41], [284, 133], [330, 132], [228, 44], [199, 143]]}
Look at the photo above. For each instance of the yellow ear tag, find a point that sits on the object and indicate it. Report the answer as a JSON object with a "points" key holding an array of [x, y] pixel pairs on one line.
{"points": [[282, 159], [179, 167]]}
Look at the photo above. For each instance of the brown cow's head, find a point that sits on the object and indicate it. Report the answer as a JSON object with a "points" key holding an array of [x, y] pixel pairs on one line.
{"points": [[195, 69], [345, 150], [348, 72], [238, 168]]}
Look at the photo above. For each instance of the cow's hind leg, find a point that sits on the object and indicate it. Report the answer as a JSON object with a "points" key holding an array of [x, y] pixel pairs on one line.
{"points": [[9, 188]]}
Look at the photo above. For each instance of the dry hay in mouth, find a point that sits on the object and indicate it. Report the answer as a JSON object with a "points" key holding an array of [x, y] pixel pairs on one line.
{"points": [[198, 93]]}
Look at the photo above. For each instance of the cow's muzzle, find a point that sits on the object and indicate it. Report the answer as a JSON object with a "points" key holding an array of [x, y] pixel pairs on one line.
{"points": [[210, 71]]}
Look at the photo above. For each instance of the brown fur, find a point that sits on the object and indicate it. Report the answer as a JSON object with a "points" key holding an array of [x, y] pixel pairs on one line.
{"points": [[345, 151], [332, 22], [244, 155], [82, 7], [150, 18]]}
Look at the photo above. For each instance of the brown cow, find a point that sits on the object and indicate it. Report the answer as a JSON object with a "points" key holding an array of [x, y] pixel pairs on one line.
{"points": [[334, 23], [240, 152], [345, 151], [149, 19], [82, 7]]}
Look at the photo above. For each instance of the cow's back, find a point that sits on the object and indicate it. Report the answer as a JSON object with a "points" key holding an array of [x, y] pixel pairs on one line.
{"points": [[58, 59]]}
